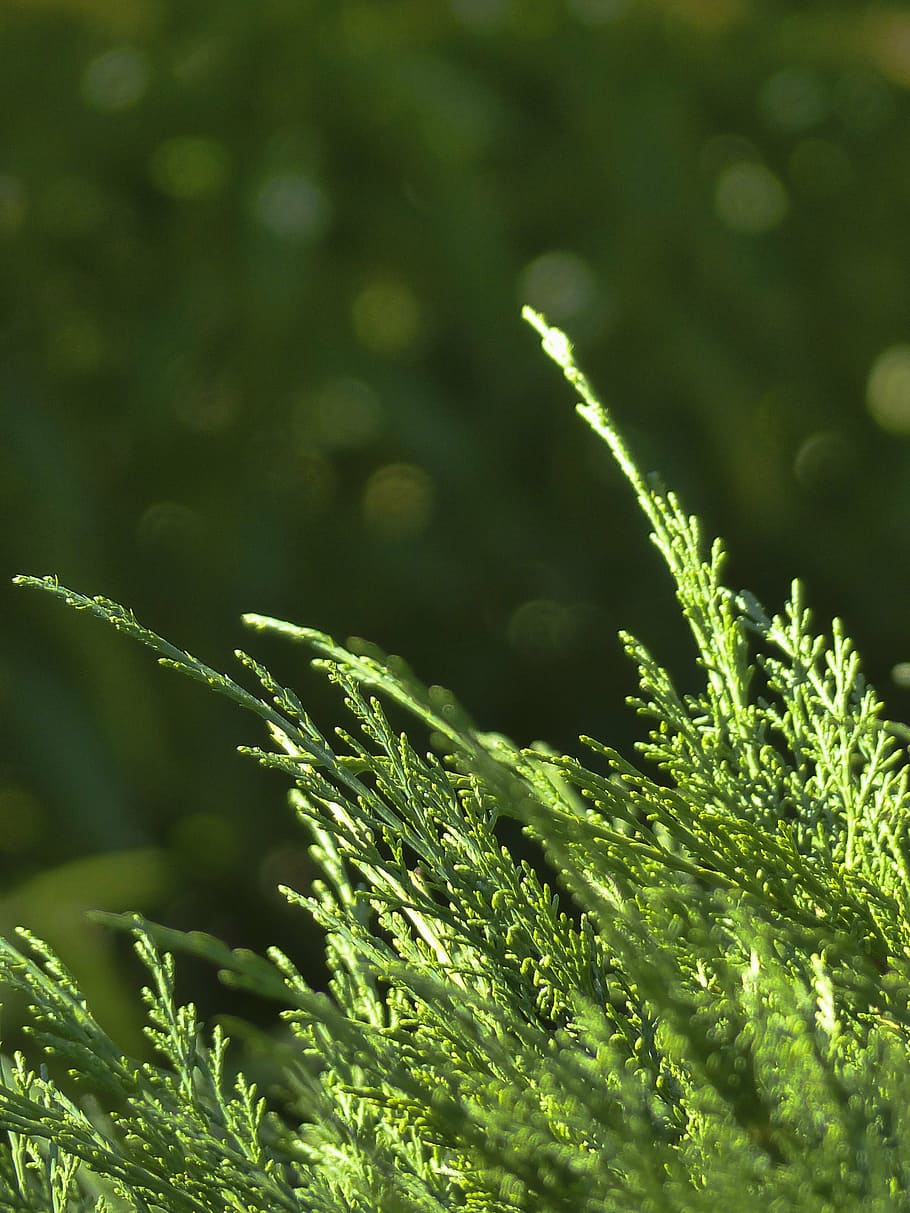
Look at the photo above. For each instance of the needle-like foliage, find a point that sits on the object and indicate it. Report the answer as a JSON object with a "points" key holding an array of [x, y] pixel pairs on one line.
{"points": [[712, 1012]]}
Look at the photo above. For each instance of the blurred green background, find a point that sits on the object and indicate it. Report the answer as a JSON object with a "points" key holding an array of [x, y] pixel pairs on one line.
{"points": [[260, 350]]}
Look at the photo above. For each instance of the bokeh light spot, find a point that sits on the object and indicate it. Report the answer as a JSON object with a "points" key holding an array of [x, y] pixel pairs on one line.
{"points": [[387, 316], [749, 198], [900, 675], [292, 207], [398, 501], [793, 100], [560, 284], [888, 390], [116, 80], [888, 43], [189, 167]]}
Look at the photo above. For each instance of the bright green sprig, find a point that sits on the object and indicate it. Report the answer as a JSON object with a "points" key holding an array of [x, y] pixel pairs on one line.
{"points": [[716, 1016]]}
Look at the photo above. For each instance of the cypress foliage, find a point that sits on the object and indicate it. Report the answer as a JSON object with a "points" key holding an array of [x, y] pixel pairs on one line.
{"points": [[712, 1013]]}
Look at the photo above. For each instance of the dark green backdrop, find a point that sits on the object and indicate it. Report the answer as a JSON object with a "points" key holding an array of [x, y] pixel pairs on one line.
{"points": [[260, 350]]}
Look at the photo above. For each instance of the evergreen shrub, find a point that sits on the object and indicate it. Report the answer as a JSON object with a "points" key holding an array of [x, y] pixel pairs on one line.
{"points": [[712, 1013]]}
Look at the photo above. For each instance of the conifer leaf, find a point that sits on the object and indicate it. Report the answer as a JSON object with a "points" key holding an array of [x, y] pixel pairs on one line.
{"points": [[702, 1005]]}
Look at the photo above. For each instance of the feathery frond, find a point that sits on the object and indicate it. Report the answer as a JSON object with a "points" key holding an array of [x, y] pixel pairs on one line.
{"points": [[711, 1011]]}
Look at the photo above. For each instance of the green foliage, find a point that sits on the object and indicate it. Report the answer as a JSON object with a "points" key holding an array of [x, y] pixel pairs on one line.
{"points": [[717, 1018], [258, 263]]}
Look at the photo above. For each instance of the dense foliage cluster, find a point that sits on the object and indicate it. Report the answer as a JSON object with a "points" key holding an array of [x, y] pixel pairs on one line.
{"points": [[257, 329], [716, 1017]]}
